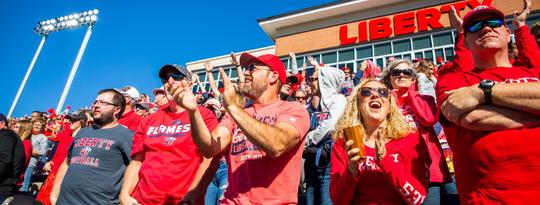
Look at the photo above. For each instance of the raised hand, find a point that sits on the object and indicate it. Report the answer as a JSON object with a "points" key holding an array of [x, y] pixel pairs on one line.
{"points": [[229, 91], [455, 20], [380, 145], [292, 55], [521, 18], [233, 59], [207, 66], [313, 62], [181, 93]]}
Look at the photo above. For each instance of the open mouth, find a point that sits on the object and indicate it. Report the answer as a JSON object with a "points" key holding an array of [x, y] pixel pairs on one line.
{"points": [[375, 105]]}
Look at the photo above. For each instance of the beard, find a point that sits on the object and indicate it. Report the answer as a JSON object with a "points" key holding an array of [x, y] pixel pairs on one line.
{"points": [[254, 89], [104, 118]]}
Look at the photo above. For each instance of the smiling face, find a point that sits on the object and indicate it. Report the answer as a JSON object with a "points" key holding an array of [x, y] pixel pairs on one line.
{"points": [[487, 38], [401, 81], [373, 108], [256, 81]]}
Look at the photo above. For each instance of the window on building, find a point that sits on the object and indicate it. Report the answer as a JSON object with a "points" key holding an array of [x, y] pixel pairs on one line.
{"points": [[363, 52], [402, 46], [348, 55], [419, 55], [309, 71], [383, 49], [299, 62], [380, 62], [422, 42], [215, 73], [329, 57], [428, 55], [449, 54], [442, 39], [234, 72], [438, 53], [285, 63]]}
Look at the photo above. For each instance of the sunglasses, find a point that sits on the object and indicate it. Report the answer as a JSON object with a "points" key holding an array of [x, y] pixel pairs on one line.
{"points": [[492, 23], [406, 72], [368, 91], [252, 67], [300, 98], [177, 77]]}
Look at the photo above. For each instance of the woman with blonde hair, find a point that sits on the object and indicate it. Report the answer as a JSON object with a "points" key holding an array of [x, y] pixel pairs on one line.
{"points": [[393, 167], [24, 130]]}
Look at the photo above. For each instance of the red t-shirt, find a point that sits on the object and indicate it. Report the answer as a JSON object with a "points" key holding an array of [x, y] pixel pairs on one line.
{"points": [[420, 112], [27, 143], [64, 140], [399, 178], [499, 166], [171, 158], [131, 120], [255, 177]]}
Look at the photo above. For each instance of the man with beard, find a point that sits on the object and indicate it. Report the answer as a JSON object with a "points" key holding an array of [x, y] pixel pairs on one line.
{"points": [[166, 166], [93, 170], [264, 139]]}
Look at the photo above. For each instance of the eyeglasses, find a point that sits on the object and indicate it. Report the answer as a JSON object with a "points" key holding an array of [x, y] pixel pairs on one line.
{"points": [[368, 91], [252, 67], [492, 23], [101, 102], [406, 72], [177, 77]]}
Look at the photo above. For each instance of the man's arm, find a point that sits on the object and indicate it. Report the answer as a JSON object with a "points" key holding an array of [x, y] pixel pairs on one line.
{"points": [[273, 140], [518, 96], [203, 177], [131, 178], [58, 181], [493, 118], [210, 143]]}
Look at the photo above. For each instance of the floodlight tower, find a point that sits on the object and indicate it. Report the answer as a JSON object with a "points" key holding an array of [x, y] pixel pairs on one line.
{"points": [[86, 18]]}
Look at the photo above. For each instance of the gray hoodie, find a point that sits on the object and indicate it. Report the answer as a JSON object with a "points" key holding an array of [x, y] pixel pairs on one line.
{"points": [[331, 107]]}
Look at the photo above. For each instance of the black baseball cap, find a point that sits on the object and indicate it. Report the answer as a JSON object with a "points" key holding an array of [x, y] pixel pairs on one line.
{"points": [[174, 67]]}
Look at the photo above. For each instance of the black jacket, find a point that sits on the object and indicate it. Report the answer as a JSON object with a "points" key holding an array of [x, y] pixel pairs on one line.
{"points": [[11, 161]]}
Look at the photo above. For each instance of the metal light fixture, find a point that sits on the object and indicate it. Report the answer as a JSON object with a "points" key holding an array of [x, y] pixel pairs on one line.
{"points": [[43, 28], [67, 22]]}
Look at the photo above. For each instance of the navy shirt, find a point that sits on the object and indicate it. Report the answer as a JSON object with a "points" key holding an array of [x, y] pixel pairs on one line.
{"points": [[97, 160]]}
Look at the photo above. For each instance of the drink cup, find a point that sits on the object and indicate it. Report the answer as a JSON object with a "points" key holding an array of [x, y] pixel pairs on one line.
{"points": [[354, 133]]}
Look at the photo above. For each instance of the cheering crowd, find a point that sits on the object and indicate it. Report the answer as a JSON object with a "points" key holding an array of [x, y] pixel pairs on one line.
{"points": [[459, 132]]}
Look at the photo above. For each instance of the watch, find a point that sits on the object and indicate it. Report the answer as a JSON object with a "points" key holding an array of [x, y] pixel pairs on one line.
{"points": [[486, 86]]}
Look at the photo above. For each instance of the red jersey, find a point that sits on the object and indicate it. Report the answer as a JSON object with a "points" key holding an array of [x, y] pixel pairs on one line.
{"points": [[498, 166], [64, 140], [131, 120], [420, 112], [27, 143], [399, 178], [171, 158], [255, 177]]}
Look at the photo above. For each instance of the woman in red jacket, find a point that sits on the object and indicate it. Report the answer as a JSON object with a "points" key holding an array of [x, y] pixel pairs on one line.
{"points": [[420, 112], [393, 169]]}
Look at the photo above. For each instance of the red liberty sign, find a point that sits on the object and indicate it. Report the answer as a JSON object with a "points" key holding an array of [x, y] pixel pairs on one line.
{"points": [[402, 23]]}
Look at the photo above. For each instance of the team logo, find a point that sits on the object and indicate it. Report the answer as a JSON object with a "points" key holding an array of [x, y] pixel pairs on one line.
{"points": [[169, 140]]}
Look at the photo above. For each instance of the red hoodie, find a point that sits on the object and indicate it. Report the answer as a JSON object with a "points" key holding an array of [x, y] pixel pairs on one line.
{"points": [[399, 178]]}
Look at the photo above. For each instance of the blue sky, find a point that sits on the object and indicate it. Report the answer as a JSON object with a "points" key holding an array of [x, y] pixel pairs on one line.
{"points": [[131, 40]]}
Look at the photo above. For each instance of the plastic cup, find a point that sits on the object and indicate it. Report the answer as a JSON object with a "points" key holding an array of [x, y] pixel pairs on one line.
{"points": [[354, 133]]}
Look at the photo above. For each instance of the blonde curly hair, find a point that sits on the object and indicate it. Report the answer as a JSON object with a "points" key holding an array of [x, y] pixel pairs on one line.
{"points": [[396, 125]]}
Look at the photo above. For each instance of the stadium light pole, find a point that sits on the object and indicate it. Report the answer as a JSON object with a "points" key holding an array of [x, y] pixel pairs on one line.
{"points": [[43, 28]]}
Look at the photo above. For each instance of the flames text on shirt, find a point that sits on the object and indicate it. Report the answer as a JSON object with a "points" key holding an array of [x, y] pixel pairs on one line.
{"points": [[169, 132], [88, 144]]}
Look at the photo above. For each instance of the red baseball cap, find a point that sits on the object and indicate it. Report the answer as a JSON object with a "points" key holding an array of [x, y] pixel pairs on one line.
{"points": [[269, 60], [479, 11]]}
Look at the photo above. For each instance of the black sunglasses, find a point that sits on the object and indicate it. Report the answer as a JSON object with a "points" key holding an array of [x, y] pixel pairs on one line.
{"points": [[492, 23], [406, 72], [177, 77], [368, 91], [252, 67]]}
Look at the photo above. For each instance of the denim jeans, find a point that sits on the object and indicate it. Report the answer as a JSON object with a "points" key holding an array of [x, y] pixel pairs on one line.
{"points": [[445, 194], [27, 179], [318, 183], [217, 185]]}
